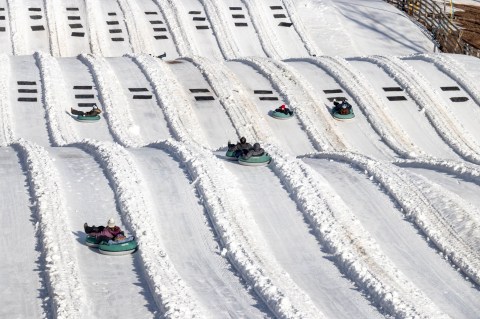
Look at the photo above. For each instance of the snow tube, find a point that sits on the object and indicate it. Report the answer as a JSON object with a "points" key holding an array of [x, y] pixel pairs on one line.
{"points": [[111, 247], [342, 117], [87, 119], [118, 249], [280, 115], [91, 241], [230, 155], [261, 160]]}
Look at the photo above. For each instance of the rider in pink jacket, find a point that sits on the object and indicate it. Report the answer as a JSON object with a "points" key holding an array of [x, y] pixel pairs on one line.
{"points": [[101, 232]]}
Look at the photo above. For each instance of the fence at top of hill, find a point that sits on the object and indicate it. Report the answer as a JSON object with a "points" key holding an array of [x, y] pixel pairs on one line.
{"points": [[444, 31]]}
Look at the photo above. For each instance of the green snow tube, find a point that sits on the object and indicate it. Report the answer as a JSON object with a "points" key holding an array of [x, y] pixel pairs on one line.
{"points": [[261, 160], [91, 241], [87, 119], [118, 249], [343, 117], [280, 115], [230, 155]]}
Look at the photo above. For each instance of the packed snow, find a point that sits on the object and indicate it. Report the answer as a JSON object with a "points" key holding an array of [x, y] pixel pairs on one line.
{"points": [[373, 217]]}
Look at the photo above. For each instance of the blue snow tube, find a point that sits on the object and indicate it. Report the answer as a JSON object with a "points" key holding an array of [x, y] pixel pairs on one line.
{"points": [[261, 160], [230, 155]]}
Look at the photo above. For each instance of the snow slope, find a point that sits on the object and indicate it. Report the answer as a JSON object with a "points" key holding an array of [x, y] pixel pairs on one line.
{"points": [[369, 218]]}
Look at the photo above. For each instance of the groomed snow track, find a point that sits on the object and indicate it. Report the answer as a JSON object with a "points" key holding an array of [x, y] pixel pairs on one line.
{"points": [[367, 218]]}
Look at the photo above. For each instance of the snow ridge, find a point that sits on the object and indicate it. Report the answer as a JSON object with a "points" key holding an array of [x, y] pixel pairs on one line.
{"points": [[363, 260], [18, 41], [214, 183], [342, 234], [169, 290], [134, 20], [417, 207], [369, 102], [215, 11], [296, 92], [245, 119], [454, 70], [117, 113], [97, 43], [302, 32], [62, 274], [53, 89], [435, 109], [51, 22], [6, 122], [173, 12], [175, 104], [270, 43]]}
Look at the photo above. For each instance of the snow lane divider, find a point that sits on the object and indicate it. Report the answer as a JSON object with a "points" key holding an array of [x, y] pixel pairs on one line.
{"points": [[172, 295], [63, 277], [418, 207], [353, 249], [113, 100], [172, 99], [436, 110], [54, 96], [255, 265], [7, 134]]}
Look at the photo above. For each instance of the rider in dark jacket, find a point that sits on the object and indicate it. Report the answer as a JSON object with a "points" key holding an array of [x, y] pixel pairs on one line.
{"points": [[93, 112], [285, 110], [255, 151]]}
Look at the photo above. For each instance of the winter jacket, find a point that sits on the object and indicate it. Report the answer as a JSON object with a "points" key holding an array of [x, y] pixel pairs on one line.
{"points": [[244, 146], [107, 232], [256, 151]]}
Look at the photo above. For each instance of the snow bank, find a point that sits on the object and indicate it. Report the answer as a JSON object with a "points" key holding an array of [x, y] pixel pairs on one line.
{"points": [[234, 225], [354, 250], [419, 209], [98, 42], [17, 28], [6, 122], [173, 12], [176, 105], [51, 21], [63, 278], [54, 97], [302, 32], [436, 110], [170, 292], [137, 26], [369, 103], [222, 28], [113, 99], [270, 43], [296, 92], [454, 70]]}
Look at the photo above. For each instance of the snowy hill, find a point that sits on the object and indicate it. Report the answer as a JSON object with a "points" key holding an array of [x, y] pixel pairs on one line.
{"points": [[368, 218]]}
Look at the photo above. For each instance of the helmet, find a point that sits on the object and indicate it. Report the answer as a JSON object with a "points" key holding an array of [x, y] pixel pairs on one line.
{"points": [[256, 146], [243, 140], [282, 106], [111, 223]]}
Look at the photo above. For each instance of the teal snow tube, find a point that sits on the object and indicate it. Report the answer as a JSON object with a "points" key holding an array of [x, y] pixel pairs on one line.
{"points": [[261, 160], [87, 119], [343, 117], [230, 155], [118, 249], [280, 115], [91, 241]]}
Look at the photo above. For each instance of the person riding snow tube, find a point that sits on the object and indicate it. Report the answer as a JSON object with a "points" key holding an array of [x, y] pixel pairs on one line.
{"points": [[282, 113], [90, 116], [235, 150], [255, 157], [342, 111], [109, 240]]}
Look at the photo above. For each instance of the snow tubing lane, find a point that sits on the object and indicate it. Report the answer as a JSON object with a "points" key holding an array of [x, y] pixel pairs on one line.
{"points": [[262, 160], [280, 115], [342, 117], [87, 119], [118, 249]]}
